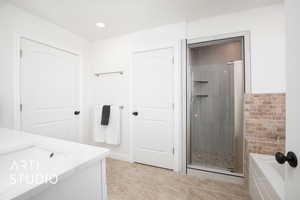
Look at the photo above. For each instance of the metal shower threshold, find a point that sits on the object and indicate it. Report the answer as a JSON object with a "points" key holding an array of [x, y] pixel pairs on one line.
{"points": [[217, 171]]}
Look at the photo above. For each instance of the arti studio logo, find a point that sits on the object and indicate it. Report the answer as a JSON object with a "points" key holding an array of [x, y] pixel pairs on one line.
{"points": [[30, 172]]}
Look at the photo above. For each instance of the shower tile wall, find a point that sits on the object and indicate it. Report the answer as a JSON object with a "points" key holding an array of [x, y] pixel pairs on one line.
{"points": [[264, 123], [212, 123]]}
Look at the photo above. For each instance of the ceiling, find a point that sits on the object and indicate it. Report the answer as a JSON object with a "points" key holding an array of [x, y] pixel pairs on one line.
{"points": [[125, 16]]}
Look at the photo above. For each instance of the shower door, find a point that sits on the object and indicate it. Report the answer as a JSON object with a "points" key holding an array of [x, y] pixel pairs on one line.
{"points": [[214, 106], [212, 116]]}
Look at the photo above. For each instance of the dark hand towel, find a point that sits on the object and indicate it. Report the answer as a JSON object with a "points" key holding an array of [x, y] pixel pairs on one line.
{"points": [[105, 115]]}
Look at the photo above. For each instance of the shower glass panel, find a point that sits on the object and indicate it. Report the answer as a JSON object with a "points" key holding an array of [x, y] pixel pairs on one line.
{"points": [[216, 87]]}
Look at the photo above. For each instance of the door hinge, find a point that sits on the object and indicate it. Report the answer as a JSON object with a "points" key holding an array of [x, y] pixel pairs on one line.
{"points": [[173, 60], [173, 150], [173, 106], [21, 107], [21, 53]]}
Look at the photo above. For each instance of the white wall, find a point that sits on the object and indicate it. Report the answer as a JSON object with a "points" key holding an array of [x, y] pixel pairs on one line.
{"points": [[6, 81], [267, 26], [267, 48], [14, 21], [112, 55]]}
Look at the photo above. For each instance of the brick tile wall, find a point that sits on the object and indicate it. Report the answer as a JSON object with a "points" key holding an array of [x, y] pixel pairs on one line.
{"points": [[264, 123]]}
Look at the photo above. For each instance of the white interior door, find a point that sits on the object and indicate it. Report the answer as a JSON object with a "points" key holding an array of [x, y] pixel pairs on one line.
{"points": [[49, 81], [152, 104], [292, 179]]}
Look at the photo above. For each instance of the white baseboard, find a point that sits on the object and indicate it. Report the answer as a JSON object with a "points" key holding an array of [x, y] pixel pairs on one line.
{"points": [[119, 156], [113, 155]]}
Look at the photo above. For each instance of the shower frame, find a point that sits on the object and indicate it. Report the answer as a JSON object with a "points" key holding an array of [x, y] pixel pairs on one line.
{"points": [[185, 85]]}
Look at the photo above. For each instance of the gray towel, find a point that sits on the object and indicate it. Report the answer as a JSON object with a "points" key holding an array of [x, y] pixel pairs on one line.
{"points": [[105, 115]]}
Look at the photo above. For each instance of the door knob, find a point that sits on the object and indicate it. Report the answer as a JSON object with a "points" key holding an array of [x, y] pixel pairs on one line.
{"points": [[135, 113], [291, 158], [76, 112]]}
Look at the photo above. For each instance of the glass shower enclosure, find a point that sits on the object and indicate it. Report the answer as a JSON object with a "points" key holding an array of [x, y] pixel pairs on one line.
{"points": [[215, 89]]}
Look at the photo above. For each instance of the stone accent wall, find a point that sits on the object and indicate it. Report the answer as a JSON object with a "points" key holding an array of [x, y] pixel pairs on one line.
{"points": [[264, 124]]}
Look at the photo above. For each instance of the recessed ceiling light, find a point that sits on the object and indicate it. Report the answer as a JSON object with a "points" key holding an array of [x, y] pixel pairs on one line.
{"points": [[100, 25]]}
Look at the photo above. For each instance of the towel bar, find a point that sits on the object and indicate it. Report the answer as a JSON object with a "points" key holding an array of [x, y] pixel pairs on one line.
{"points": [[106, 73]]}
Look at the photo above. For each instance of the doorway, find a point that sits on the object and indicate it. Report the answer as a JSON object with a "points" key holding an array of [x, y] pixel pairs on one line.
{"points": [[215, 86]]}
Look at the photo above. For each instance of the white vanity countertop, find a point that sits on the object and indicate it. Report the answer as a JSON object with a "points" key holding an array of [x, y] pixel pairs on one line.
{"points": [[69, 157]]}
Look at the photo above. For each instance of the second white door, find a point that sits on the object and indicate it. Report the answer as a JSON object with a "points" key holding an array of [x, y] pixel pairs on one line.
{"points": [[152, 107]]}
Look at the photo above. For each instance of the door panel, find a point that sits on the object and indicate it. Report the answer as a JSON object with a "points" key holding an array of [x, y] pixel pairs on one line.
{"points": [[149, 132], [292, 179], [152, 96], [49, 91]]}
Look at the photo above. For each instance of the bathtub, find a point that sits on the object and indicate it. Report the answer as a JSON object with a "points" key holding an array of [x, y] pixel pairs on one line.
{"points": [[266, 178], [40, 168]]}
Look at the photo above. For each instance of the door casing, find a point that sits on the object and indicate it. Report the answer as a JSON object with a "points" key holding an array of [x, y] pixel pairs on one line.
{"points": [[184, 82]]}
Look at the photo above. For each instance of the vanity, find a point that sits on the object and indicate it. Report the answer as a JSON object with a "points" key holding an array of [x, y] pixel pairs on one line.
{"points": [[42, 168]]}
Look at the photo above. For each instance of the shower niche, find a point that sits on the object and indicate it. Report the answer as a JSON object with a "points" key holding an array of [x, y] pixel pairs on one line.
{"points": [[214, 99]]}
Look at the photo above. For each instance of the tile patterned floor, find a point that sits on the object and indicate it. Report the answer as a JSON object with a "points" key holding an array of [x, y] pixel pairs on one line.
{"points": [[127, 181], [212, 160]]}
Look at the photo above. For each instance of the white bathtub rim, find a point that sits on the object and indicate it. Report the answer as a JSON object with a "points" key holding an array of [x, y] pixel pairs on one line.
{"points": [[263, 163]]}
